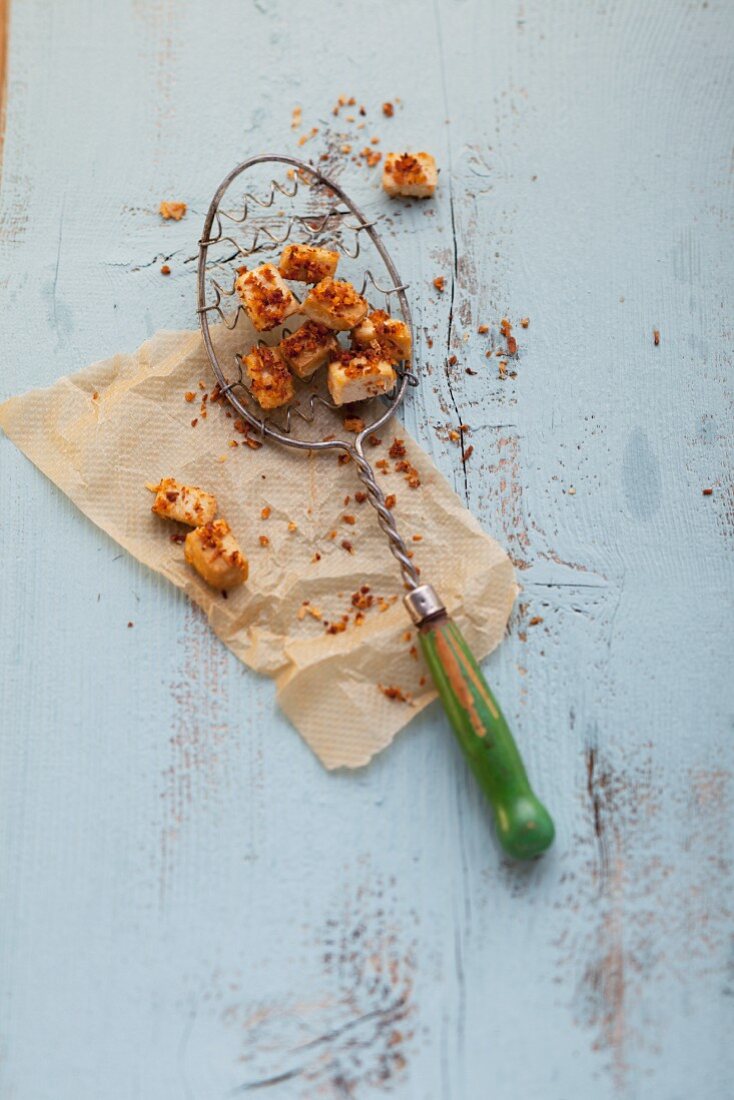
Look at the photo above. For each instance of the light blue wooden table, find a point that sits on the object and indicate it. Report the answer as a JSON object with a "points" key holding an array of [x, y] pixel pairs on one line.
{"points": [[192, 909]]}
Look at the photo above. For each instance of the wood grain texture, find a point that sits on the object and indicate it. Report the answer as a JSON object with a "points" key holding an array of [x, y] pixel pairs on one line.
{"points": [[191, 908]]}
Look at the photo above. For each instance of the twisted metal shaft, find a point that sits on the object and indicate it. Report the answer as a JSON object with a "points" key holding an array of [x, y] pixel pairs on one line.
{"points": [[385, 517]]}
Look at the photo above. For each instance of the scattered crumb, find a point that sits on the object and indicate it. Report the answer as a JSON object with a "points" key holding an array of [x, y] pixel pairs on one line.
{"points": [[346, 148], [454, 435], [396, 694], [413, 651], [524, 322], [336, 628], [350, 519], [265, 514], [483, 330], [95, 396], [572, 492], [536, 620], [374, 440], [353, 424], [440, 283], [292, 526], [346, 545], [194, 422], [296, 117], [470, 371], [371, 156], [174, 210], [411, 474], [505, 327], [707, 492], [129, 625], [360, 497], [307, 608], [417, 538], [316, 557], [264, 540], [656, 337], [165, 269], [397, 448], [307, 137], [468, 452], [388, 110], [453, 360], [189, 396], [512, 345], [391, 501]]}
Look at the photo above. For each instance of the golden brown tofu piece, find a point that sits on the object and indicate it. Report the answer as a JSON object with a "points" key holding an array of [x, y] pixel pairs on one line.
{"points": [[213, 551], [413, 175], [391, 334], [336, 304], [265, 296], [358, 376], [184, 503], [308, 348], [307, 264], [271, 383]]}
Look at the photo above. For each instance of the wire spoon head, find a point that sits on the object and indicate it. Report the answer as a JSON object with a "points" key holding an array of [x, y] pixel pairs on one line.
{"points": [[291, 203]]}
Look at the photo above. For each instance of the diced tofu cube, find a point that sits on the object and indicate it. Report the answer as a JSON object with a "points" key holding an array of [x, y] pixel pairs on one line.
{"points": [[357, 376], [309, 348], [413, 175], [184, 503], [271, 383], [306, 264], [215, 555], [336, 304], [391, 334], [265, 296]]}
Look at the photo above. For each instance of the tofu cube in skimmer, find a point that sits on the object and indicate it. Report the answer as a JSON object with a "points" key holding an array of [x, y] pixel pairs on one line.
{"points": [[183, 503], [391, 334], [265, 296], [308, 348], [307, 264], [336, 304], [413, 175], [271, 383], [215, 555], [358, 376]]}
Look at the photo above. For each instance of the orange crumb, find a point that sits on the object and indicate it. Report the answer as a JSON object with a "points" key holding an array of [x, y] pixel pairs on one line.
{"points": [[165, 270], [440, 283], [174, 210], [265, 514], [388, 110]]}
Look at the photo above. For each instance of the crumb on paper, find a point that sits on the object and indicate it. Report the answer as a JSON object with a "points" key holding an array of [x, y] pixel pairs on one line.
{"points": [[172, 210], [411, 474], [440, 283], [396, 694], [397, 448], [353, 424], [536, 620], [391, 501], [468, 452], [307, 608], [360, 496], [656, 337], [483, 330], [417, 538], [350, 519], [374, 440], [292, 527], [336, 628], [454, 436], [372, 156], [264, 540], [265, 513], [346, 545], [189, 396]]}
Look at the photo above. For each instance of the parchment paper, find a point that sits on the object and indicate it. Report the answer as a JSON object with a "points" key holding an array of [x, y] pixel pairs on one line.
{"points": [[104, 432]]}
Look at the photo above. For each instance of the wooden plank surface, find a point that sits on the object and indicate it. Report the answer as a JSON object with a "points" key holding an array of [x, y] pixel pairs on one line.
{"points": [[191, 907]]}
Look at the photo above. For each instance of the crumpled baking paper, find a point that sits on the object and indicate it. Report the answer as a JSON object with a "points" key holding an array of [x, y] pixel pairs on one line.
{"points": [[104, 432]]}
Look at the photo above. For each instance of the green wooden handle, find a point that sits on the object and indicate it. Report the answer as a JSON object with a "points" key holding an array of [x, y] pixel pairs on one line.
{"points": [[524, 826]]}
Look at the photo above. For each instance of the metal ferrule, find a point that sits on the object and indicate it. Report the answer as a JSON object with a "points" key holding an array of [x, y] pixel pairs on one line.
{"points": [[423, 603]]}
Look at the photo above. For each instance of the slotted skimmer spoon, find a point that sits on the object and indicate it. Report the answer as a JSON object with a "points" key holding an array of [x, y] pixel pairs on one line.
{"points": [[320, 213]]}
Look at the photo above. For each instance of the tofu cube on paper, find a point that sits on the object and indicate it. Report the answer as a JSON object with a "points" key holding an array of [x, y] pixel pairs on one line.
{"points": [[266, 297], [336, 304], [307, 264], [213, 551], [183, 503], [389, 333], [271, 383], [358, 376], [308, 348], [412, 175]]}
